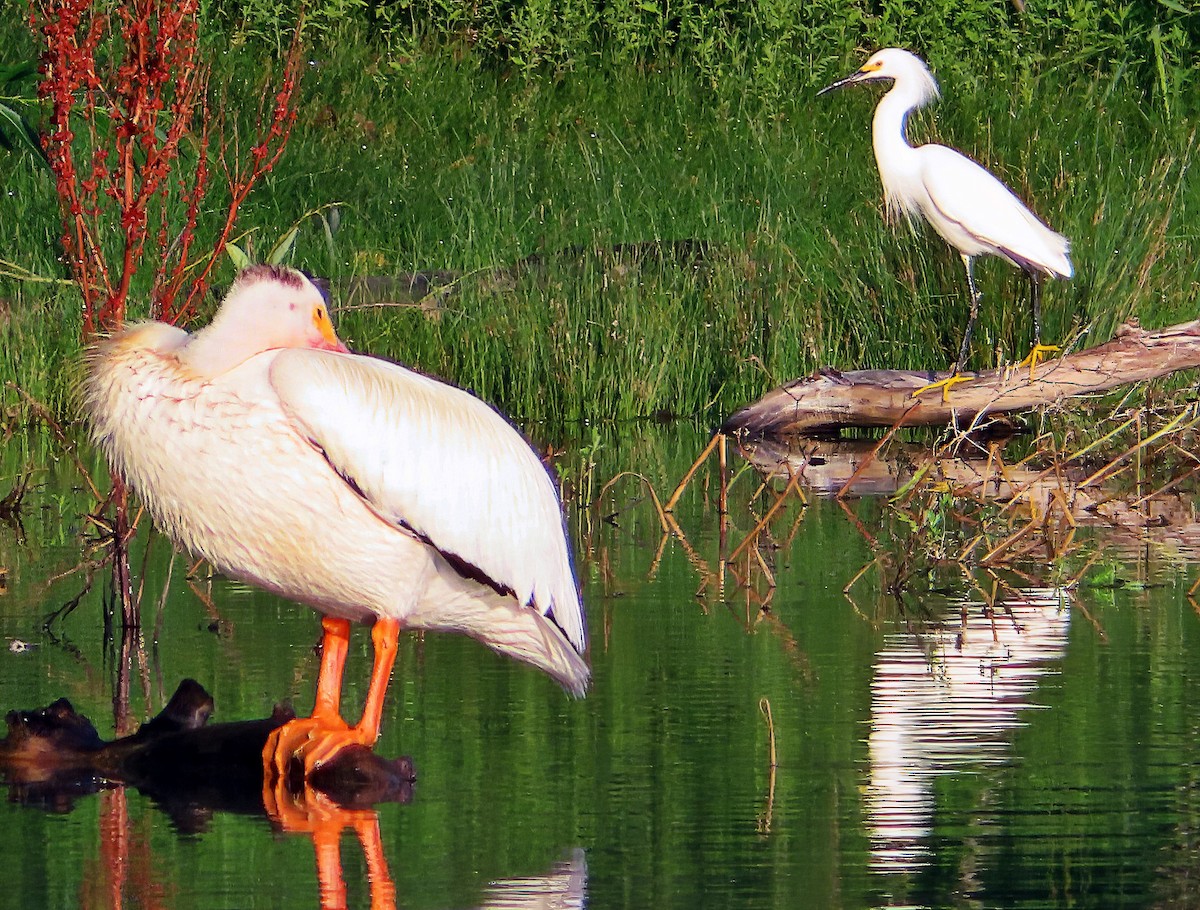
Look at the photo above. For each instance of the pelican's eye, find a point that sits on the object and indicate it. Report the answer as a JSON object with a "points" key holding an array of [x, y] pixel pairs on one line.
{"points": [[323, 324]]}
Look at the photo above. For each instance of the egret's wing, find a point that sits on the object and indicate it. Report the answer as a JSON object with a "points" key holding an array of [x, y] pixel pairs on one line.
{"points": [[439, 462], [975, 203]]}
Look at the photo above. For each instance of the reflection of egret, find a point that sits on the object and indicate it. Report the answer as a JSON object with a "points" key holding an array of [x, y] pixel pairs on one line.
{"points": [[564, 887], [973, 211], [360, 488], [942, 702]]}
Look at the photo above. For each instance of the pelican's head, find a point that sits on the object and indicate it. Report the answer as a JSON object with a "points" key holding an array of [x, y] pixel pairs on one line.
{"points": [[905, 69], [267, 308]]}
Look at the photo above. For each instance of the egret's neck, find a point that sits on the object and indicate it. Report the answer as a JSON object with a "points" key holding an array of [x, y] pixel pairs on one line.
{"points": [[891, 115], [897, 160]]}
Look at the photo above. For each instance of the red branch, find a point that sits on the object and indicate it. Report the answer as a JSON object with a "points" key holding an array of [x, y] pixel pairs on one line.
{"points": [[274, 133], [115, 143]]}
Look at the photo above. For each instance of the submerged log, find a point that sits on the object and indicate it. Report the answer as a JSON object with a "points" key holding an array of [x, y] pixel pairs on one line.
{"points": [[429, 289], [52, 755], [832, 400]]}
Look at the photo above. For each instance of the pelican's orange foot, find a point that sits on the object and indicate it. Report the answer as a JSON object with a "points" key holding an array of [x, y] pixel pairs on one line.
{"points": [[943, 384], [316, 739], [329, 744], [305, 739], [1035, 356]]}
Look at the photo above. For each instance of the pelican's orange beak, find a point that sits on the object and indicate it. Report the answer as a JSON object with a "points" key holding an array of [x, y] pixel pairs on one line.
{"points": [[329, 339]]}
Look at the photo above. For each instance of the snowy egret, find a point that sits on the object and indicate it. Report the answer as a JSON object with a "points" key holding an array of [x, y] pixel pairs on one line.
{"points": [[973, 211], [362, 489]]}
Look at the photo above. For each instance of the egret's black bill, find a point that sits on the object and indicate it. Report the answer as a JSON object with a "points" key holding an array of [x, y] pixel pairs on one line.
{"points": [[852, 79], [836, 85]]}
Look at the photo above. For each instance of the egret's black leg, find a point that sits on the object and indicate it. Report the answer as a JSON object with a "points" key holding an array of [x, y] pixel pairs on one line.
{"points": [[954, 378], [1039, 350], [966, 342], [1035, 302]]}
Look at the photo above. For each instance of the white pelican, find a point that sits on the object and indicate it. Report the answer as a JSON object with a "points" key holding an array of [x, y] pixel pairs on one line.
{"points": [[360, 488], [973, 211]]}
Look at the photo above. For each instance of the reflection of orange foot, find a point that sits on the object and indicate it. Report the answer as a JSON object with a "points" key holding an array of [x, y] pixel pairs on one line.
{"points": [[301, 812], [310, 812], [943, 384]]}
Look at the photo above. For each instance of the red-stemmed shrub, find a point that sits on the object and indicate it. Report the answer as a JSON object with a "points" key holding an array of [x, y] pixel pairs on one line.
{"points": [[130, 136]]}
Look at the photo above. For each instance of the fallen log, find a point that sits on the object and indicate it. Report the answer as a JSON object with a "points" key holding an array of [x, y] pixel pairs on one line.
{"points": [[429, 289], [52, 755], [832, 400]]}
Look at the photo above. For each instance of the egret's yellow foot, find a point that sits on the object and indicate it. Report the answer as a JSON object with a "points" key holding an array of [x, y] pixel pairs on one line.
{"points": [[943, 384], [1036, 354]]}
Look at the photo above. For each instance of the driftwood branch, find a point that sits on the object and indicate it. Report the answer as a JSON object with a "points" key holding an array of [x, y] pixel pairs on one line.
{"points": [[831, 400]]}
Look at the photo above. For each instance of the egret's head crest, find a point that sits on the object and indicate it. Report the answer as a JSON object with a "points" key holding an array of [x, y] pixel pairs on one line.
{"points": [[905, 69]]}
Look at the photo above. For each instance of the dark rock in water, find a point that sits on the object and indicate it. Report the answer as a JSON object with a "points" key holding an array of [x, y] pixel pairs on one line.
{"points": [[189, 709], [360, 778], [53, 755], [55, 734]]}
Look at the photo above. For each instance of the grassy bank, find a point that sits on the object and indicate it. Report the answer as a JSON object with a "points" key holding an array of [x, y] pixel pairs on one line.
{"points": [[440, 162]]}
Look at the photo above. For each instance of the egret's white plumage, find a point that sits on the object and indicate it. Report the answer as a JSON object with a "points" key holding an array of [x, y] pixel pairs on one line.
{"points": [[341, 481], [972, 210]]}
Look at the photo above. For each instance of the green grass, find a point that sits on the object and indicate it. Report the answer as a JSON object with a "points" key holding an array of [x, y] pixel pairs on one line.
{"points": [[439, 162]]}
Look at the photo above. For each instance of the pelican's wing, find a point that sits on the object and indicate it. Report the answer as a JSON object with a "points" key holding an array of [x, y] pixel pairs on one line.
{"points": [[437, 461], [978, 205]]}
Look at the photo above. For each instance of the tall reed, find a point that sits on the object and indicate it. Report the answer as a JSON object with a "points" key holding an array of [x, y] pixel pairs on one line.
{"points": [[439, 161]]}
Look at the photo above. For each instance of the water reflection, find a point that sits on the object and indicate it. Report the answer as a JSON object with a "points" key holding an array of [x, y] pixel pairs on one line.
{"points": [[1165, 518], [314, 814], [564, 887], [126, 867], [944, 696], [664, 773]]}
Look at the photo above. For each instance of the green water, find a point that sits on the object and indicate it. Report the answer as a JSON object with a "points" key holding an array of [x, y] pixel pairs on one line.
{"points": [[1042, 756]]}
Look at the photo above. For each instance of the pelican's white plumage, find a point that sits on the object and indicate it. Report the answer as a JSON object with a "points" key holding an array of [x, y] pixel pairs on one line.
{"points": [[348, 483], [973, 211], [471, 486]]}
